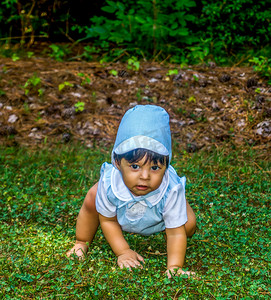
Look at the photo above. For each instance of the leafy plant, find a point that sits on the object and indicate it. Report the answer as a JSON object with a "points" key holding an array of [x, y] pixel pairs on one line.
{"points": [[30, 54], [139, 94], [19, 20], [262, 65], [179, 31], [89, 51], [192, 99], [145, 26], [172, 72], [113, 72], [61, 86], [195, 77], [228, 26], [79, 106], [33, 83], [85, 79], [59, 52], [133, 64], [15, 57]]}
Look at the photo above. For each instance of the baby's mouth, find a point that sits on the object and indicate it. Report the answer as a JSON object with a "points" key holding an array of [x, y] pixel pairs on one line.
{"points": [[142, 187]]}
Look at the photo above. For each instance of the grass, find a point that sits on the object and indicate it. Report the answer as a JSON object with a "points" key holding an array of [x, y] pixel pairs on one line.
{"points": [[41, 193]]}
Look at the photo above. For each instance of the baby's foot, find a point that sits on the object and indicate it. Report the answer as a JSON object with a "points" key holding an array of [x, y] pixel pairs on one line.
{"points": [[79, 249]]}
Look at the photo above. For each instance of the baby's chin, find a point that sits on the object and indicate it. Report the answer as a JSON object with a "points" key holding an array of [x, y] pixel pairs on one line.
{"points": [[140, 190]]}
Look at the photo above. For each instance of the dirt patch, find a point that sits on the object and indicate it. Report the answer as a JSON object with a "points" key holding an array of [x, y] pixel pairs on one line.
{"points": [[44, 101]]}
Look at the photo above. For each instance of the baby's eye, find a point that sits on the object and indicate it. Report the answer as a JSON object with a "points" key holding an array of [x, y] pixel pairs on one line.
{"points": [[155, 168], [134, 167]]}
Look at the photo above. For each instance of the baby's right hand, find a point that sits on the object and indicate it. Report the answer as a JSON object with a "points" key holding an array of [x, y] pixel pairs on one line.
{"points": [[79, 249], [130, 259]]}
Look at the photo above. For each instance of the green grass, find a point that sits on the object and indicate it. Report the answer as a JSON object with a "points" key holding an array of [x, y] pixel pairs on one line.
{"points": [[41, 193]]}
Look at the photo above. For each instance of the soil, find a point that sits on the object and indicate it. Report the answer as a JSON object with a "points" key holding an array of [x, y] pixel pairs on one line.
{"points": [[43, 102]]}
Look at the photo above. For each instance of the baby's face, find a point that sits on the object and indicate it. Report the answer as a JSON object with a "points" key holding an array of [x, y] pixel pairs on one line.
{"points": [[141, 178]]}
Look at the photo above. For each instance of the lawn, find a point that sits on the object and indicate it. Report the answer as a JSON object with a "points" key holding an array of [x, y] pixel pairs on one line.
{"points": [[41, 193]]}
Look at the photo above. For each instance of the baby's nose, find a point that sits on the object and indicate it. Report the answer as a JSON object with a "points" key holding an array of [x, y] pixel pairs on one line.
{"points": [[145, 174]]}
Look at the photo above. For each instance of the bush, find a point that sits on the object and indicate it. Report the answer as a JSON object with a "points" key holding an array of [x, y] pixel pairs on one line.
{"points": [[231, 26], [184, 31], [28, 21], [181, 29], [145, 26]]}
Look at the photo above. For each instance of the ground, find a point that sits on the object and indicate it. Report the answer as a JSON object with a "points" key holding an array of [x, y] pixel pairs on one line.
{"points": [[43, 101]]}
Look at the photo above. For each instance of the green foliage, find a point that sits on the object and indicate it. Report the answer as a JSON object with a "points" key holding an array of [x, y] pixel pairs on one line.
{"points": [[198, 53], [79, 106], [85, 79], [15, 57], [59, 52], [145, 26], [192, 99], [262, 65], [186, 31], [133, 64], [225, 27], [21, 20], [42, 191], [172, 72], [90, 51], [113, 72], [61, 86], [33, 84], [30, 54]]}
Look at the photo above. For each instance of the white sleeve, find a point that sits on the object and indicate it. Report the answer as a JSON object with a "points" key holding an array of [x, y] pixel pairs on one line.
{"points": [[175, 207], [103, 205]]}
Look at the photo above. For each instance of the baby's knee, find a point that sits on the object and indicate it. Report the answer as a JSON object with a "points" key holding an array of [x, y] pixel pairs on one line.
{"points": [[89, 202], [191, 225]]}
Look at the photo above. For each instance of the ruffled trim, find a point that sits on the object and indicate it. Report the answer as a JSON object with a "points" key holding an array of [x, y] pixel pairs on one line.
{"points": [[123, 194]]}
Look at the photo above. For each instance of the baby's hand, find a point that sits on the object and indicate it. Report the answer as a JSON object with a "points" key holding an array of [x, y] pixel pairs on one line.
{"points": [[130, 259], [176, 271], [79, 249]]}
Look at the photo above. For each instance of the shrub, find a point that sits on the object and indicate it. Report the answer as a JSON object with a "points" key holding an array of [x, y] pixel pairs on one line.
{"points": [[229, 26], [145, 27]]}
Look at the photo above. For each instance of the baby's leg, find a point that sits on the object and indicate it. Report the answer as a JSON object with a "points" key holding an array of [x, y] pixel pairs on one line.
{"points": [[87, 224], [190, 225]]}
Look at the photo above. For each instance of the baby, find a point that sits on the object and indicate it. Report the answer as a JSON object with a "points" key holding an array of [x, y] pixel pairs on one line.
{"points": [[139, 192]]}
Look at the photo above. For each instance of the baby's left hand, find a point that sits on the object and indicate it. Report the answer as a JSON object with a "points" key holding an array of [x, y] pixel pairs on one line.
{"points": [[176, 271]]}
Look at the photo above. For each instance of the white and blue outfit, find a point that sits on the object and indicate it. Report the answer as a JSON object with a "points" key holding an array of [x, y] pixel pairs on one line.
{"points": [[147, 127]]}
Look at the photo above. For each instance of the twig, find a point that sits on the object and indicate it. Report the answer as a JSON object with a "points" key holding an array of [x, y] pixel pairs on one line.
{"points": [[165, 59], [66, 35], [20, 37], [242, 60]]}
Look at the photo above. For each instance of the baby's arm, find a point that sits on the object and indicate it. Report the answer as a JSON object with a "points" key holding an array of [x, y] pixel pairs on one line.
{"points": [[112, 231], [86, 226], [176, 248]]}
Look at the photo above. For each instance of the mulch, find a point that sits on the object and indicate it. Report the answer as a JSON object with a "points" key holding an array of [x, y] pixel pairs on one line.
{"points": [[43, 102]]}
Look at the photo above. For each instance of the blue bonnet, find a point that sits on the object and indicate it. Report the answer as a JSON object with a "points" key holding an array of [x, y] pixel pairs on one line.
{"points": [[144, 126]]}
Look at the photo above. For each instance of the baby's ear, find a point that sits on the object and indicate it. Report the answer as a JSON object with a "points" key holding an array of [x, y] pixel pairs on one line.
{"points": [[117, 164]]}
